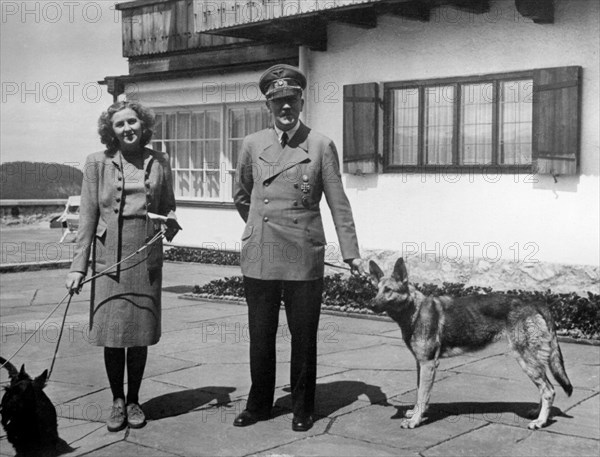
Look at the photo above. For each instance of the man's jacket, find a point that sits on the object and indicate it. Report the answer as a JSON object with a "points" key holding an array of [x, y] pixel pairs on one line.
{"points": [[278, 193]]}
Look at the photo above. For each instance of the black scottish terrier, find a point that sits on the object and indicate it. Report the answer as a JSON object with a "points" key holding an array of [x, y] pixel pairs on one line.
{"points": [[28, 415]]}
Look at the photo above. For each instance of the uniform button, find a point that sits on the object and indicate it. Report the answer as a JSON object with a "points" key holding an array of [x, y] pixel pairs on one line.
{"points": [[117, 199], [116, 210], [266, 219], [266, 201], [295, 221], [295, 203], [120, 178], [119, 188], [296, 186]]}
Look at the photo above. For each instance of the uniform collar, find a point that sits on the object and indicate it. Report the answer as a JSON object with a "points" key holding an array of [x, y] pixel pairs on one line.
{"points": [[290, 132]]}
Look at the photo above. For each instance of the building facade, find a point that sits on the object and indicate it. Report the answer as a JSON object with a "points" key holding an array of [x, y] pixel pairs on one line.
{"points": [[467, 129]]}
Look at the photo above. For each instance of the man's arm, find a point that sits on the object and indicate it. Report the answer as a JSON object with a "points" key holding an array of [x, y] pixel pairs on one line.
{"points": [[339, 205], [244, 182]]}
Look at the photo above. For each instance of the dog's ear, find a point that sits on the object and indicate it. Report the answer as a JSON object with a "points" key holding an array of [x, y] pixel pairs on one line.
{"points": [[40, 381], [22, 374], [375, 271], [400, 274]]}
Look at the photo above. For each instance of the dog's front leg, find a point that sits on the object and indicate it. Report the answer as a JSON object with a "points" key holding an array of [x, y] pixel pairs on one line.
{"points": [[411, 412], [426, 378]]}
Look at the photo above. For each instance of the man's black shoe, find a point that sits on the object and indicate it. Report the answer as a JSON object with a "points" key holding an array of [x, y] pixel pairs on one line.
{"points": [[302, 424], [246, 418]]}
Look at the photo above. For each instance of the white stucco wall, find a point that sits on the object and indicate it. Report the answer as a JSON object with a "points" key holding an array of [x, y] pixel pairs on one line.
{"points": [[448, 217], [518, 217]]}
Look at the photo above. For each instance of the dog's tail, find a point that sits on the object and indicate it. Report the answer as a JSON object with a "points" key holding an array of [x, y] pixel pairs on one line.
{"points": [[557, 366], [12, 371]]}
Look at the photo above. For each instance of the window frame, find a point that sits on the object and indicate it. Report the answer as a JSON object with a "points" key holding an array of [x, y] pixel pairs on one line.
{"points": [[225, 200], [496, 79]]}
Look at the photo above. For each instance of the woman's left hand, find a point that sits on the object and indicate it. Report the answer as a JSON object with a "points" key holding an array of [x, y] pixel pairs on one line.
{"points": [[172, 228]]}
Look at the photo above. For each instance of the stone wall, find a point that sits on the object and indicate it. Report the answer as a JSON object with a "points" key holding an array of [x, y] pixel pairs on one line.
{"points": [[499, 275]]}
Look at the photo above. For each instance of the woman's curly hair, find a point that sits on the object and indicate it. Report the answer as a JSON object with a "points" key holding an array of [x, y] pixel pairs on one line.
{"points": [[105, 129]]}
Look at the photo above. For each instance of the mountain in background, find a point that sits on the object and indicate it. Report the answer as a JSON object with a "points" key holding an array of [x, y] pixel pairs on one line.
{"points": [[38, 180]]}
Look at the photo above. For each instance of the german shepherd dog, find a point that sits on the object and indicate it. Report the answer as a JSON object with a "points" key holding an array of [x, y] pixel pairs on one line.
{"points": [[434, 327], [28, 415]]}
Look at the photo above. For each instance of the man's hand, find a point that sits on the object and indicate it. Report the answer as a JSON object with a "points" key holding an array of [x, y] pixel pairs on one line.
{"points": [[356, 267], [73, 282]]}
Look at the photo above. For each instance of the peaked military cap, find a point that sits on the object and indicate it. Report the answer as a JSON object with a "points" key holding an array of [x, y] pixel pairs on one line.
{"points": [[281, 80]]}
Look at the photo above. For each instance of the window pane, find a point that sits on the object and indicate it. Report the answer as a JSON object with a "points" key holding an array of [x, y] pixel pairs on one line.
{"points": [[213, 183], [196, 154], [405, 127], [515, 122], [236, 123], [213, 124], [183, 126], [197, 184], [477, 104], [182, 183], [157, 133], [183, 155], [439, 120], [212, 153], [198, 130], [171, 127]]}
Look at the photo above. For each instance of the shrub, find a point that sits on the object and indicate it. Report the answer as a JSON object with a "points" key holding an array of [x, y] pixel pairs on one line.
{"points": [[198, 255], [574, 315]]}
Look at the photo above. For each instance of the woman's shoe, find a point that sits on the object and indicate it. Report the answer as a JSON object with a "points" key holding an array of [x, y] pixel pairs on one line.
{"points": [[117, 419], [135, 416]]}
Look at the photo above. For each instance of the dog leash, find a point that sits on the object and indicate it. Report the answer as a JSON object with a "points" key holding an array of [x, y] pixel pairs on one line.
{"points": [[340, 267], [69, 295]]}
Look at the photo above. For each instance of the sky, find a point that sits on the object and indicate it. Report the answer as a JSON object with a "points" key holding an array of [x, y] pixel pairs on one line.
{"points": [[52, 53]]}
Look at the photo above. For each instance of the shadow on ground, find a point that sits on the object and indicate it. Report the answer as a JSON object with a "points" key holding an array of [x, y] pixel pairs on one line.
{"points": [[492, 411], [333, 396], [177, 403]]}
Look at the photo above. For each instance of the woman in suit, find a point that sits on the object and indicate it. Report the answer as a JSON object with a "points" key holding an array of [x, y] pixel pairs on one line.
{"points": [[121, 185]]}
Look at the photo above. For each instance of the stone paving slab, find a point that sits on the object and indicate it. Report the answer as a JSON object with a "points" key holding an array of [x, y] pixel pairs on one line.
{"points": [[336, 446], [381, 424], [585, 421], [376, 357], [503, 440], [210, 433]]}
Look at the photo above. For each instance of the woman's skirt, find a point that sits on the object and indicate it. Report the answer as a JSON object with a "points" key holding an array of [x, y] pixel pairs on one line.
{"points": [[125, 306]]}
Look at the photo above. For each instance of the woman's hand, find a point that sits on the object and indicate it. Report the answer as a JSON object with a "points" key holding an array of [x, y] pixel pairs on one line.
{"points": [[73, 282], [172, 227]]}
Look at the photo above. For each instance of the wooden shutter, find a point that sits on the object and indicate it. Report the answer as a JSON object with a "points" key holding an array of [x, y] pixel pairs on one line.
{"points": [[361, 128], [556, 120]]}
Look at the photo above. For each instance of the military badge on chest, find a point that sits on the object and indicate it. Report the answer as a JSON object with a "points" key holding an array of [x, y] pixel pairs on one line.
{"points": [[305, 188]]}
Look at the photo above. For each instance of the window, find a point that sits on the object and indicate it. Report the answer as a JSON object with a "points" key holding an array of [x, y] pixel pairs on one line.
{"points": [[459, 123], [203, 144]]}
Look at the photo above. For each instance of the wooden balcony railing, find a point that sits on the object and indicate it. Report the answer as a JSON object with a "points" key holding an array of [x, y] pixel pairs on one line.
{"points": [[162, 26]]}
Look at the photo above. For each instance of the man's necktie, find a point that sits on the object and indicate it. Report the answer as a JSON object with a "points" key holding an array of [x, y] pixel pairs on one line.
{"points": [[284, 139]]}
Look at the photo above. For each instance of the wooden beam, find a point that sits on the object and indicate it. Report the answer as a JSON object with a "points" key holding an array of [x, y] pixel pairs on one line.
{"points": [[365, 18], [416, 9], [539, 11], [472, 6]]}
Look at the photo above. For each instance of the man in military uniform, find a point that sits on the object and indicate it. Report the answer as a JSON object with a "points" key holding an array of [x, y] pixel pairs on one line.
{"points": [[282, 174]]}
